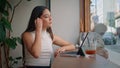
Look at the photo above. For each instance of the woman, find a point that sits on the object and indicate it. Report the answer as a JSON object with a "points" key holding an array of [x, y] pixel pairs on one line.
{"points": [[38, 39]]}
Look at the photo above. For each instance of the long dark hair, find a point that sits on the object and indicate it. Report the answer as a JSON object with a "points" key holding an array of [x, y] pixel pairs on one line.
{"points": [[37, 12]]}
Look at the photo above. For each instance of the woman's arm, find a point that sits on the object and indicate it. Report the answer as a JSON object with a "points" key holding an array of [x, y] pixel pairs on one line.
{"points": [[64, 45], [33, 45]]}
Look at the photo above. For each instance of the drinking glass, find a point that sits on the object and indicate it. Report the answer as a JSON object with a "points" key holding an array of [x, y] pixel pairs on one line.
{"points": [[90, 47]]}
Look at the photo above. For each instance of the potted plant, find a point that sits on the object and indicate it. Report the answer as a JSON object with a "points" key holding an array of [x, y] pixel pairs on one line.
{"points": [[6, 40]]}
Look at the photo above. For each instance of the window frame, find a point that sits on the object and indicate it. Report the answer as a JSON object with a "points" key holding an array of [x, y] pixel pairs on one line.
{"points": [[85, 16]]}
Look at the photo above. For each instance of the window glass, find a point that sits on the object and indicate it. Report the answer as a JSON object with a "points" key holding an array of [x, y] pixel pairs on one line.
{"points": [[107, 12]]}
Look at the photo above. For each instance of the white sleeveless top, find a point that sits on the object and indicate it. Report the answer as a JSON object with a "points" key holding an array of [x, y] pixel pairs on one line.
{"points": [[46, 52]]}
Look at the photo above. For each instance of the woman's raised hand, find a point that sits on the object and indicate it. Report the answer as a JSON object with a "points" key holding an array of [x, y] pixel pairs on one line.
{"points": [[38, 24]]}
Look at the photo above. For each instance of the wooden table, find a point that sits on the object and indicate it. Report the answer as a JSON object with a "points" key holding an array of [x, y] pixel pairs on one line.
{"points": [[82, 62]]}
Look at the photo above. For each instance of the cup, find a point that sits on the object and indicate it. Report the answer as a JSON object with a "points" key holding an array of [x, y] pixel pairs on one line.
{"points": [[90, 47]]}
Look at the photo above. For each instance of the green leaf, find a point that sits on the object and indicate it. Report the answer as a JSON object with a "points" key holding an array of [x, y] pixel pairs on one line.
{"points": [[5, 12], [6, 23], [17, 39], [18, 58], [15, 62], [11, 58], [2, 32], [11, 43], [2, 5], [28, 0]]}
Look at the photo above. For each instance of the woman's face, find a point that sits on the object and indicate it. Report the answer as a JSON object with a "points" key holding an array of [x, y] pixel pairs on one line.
{"points": [[47, 19]]}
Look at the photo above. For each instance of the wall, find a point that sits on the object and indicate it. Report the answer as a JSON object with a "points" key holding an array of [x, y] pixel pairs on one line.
{"points": [[65, 16], [66, 19]]}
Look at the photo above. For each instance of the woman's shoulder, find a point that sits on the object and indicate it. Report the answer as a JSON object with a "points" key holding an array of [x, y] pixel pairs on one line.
{"points": [[26, 34]]}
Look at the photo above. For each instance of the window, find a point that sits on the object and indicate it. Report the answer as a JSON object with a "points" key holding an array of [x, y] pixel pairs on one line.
{"points": [[106, 12]]}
